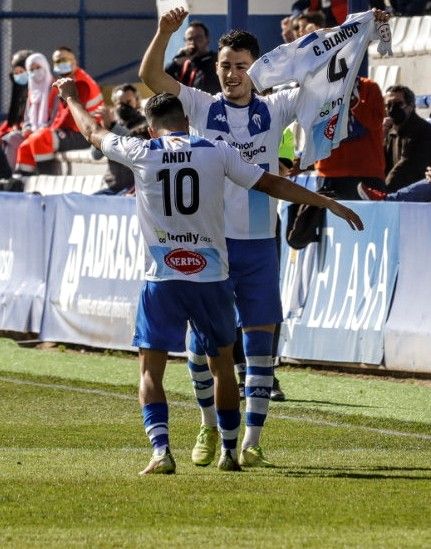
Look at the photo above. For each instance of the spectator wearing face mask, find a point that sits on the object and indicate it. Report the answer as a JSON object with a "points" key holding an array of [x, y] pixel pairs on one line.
{"points": [[19, 78], [41, 105], [37, 153], [123, 118], [407, 140]]}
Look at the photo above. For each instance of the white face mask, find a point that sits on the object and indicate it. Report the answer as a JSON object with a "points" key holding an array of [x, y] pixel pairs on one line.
{"points": [[21, 78], [63, 68], [37, 75]]}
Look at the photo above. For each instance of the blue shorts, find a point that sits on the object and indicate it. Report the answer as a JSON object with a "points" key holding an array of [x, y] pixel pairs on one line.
{"points": [[165, 307], [255, 274]]}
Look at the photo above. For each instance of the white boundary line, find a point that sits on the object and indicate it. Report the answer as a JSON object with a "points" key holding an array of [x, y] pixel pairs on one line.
{"points": [[324, 423]]}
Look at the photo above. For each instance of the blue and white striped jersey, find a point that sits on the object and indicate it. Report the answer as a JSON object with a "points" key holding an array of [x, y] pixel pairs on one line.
{"points": [[325, 63], [255, 130], [179, 183]]}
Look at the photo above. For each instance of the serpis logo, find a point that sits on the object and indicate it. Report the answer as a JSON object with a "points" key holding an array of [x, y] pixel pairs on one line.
{"points": [[330, 127], [185, 261]]}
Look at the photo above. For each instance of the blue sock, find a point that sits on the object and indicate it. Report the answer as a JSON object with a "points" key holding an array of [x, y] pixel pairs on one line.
{"points": [[155, 417], [229, 423], [258, 382]]}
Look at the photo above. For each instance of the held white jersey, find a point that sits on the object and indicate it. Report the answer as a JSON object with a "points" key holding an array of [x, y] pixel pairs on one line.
{"points": [[325, 63], [255, 130], [179, 183]]}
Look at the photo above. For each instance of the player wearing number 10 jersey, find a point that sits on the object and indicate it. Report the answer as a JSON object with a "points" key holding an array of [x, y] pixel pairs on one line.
{"points": [[180, 207]]}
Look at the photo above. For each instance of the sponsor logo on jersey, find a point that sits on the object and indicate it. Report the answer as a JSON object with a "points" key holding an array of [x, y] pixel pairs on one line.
{"points": [[329, 106], [330, 127], [194, 238], [247, 150], [185, 261]]}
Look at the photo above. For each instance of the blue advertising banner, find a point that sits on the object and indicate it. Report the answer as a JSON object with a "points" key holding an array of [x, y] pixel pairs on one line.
{"points": [[96, 270], [346, 291], [22, 262], [408, 329]]}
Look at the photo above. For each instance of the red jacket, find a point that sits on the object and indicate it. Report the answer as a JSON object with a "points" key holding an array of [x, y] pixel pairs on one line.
{"points": [[338, 9], [361, 155], [89, 94]]}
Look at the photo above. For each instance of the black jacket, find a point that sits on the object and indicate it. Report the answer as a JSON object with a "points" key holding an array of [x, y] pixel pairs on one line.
{"points": [[199, 72], [407, 152]]}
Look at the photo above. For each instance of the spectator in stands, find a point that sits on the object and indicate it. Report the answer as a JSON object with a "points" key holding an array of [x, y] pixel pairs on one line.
{"points": [[15, 115], [359, 158], [309, 22], [288, 29], [407, 141], [194, 65], [37, 152], [416, 192], [122, 119], [19, 78], [335, 11], [41, 107]]}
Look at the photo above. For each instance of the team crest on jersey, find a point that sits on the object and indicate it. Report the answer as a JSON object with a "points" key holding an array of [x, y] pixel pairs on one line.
{"points": [[185, 261], [257, 120], [330, 127]]}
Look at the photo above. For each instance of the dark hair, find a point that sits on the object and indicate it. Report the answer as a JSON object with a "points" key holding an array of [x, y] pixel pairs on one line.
{"points": [[140, 131], [125, 88], [19, 94], [315, 17], [65, 48], [408, 94], [164, 110], [201, 25], [240, 40], [19, 57]]}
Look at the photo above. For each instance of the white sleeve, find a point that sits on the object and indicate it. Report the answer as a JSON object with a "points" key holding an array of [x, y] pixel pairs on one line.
{"points": [[285, 104], [194, 100], [123, 149], [237, 169], [275, 67]]}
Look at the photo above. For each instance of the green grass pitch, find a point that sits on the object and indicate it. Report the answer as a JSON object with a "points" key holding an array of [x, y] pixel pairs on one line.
{"points": [[353, 455]]}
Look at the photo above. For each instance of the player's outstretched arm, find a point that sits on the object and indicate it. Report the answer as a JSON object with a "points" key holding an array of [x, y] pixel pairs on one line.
{"points": [[89, 128], [152, 71], [280, 187]]}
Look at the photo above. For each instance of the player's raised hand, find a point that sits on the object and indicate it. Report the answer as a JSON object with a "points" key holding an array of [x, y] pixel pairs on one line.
{"points": [[380, 15], [172, 20], [66, 88], [349, 215]]}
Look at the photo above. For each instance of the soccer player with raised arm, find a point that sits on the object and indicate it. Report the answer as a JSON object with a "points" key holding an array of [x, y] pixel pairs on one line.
{"points": [[179, 194], [254, 125]]}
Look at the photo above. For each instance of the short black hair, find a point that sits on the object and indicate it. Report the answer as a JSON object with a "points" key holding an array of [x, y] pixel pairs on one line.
{"points": [[123, 88], [201, 25], [164, 110], [408, 94], [240, 40]]}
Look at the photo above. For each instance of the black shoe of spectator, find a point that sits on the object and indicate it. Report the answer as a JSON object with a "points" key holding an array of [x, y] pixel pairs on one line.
{"points": [[277, 394]]}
